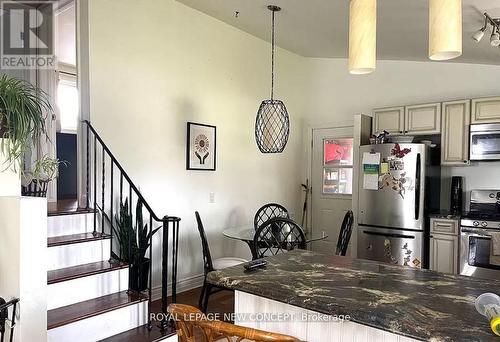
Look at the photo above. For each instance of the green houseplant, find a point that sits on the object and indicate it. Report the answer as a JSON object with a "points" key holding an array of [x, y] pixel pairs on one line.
{"points": [[133, 242], [23, 109]]}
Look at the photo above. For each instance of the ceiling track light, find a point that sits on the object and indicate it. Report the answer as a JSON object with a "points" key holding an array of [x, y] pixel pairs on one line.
{"points": [[495, 34]]}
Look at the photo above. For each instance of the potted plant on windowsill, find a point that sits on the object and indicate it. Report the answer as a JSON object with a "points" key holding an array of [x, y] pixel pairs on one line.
{"points": [[133, 243], [34, 183], [23, 109]]}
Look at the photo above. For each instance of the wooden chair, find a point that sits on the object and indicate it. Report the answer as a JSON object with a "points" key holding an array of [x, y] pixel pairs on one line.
{"points": [[345, 234], [210, 265], [276, 236], [267, 212], [192, 325]]}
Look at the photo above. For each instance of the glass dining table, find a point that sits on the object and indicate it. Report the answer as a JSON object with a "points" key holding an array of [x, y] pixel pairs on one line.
{"points": [[247, 233]]}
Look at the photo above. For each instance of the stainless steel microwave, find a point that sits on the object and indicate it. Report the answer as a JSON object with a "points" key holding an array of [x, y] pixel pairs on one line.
{"points": [[485, 142]]}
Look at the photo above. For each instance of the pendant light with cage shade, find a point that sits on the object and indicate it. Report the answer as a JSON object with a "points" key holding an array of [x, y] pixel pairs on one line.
{"points": [[272, 125]]}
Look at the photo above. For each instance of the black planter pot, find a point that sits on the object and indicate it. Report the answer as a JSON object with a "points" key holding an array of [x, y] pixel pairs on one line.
{"points": [[139, 276], [37, 188]]}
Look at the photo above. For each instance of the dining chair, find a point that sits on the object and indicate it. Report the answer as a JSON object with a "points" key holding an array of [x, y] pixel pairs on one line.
{"points": [[267, 212], [210, 265], [345, 234], [192, 325], [276, 236]]}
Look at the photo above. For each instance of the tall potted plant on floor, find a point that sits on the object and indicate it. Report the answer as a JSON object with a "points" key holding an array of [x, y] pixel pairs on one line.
{"points": [[133, 243], [23, 110]]}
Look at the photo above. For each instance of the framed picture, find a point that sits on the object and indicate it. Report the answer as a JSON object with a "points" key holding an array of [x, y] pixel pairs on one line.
{"points": [[201, 147]]}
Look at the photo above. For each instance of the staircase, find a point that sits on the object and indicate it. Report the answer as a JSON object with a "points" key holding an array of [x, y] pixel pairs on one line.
{"points": [[88, 297]]}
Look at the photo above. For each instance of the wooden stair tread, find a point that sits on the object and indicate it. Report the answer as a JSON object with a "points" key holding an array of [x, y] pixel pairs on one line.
{"points": [[142, 334], [85, 270], [92, 307], [75, 238]]}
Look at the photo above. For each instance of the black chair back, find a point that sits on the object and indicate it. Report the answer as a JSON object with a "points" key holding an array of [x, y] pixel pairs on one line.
{"points": [[345, 234], [276, 236], [207, 257], [267, 212]]}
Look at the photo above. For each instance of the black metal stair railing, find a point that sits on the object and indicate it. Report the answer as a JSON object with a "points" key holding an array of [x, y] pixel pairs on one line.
{"points": [[4, 318], [103, 170]]}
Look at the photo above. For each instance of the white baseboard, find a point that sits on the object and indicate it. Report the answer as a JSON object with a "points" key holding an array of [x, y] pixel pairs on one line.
{"points": [[183, 285]]}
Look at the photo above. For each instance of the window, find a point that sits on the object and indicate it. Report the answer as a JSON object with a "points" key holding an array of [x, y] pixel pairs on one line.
{"points": [[67, 102], [337, 166]]}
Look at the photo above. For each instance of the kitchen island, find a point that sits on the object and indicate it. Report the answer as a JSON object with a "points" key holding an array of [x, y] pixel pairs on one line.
{"points": [[383, 302]]}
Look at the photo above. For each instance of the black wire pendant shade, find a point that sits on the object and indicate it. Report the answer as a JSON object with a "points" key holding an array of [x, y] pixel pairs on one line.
{"points": [[272, 125]]}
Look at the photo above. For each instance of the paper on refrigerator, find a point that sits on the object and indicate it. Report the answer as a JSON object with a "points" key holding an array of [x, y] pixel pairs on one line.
{"points": [[371, 170]]}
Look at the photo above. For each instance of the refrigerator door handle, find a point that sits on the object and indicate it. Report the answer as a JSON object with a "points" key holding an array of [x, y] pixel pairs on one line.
{"points": [[389, 235], [417, 187]]}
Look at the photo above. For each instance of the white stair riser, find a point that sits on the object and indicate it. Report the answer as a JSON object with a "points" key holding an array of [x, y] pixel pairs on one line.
{"points": [[81, 289], [71, 224], [101, 326], [78, 254]]}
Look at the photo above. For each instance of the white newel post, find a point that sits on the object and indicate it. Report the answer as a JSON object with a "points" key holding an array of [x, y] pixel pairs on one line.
{"points": [[10, 180], [23, 263]]}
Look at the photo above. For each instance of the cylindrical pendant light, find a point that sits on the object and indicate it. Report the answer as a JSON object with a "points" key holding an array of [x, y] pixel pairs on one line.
{"points": [[445, 29], [362, 36]]}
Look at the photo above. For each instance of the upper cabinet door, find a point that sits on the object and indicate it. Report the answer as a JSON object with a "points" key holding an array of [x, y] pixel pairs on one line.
{"points": [[455, 133], [486, 110], [423, 119], [389, 119]]}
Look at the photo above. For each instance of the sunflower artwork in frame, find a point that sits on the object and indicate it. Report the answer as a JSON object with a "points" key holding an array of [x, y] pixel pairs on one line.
{"points": [[201, 147]]}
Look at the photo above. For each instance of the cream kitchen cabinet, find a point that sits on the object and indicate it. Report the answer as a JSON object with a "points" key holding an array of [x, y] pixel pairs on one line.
{"points": [[455, 133], [485, 110], [412, 120], [423, 119], [444, 241], [390, 119]]}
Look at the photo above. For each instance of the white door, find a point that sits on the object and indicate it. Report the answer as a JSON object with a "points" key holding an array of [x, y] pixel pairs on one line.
{"points": [[332, 174]]}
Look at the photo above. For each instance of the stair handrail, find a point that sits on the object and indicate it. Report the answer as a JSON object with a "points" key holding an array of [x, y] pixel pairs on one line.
{"points": [[4, 316], [168, 222]]}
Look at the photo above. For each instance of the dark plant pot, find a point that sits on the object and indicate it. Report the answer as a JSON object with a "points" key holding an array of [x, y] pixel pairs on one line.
{"points": [[35, 189], [139, 276], [2, 131]]}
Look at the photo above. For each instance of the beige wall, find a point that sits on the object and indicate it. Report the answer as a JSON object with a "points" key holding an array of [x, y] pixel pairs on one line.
{"points": [[154, 65]]}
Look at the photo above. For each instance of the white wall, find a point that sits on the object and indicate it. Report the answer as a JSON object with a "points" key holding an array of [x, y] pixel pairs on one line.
{"points": [[154, 65], [23, 255], [335, 95]]}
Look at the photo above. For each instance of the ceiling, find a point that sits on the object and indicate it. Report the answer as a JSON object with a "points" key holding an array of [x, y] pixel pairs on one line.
{"points": [[319, 28]]}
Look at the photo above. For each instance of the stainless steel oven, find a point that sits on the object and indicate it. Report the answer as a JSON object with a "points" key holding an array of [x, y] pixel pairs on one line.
{"points": [[485, 142], [475, 246], [476, 229]]}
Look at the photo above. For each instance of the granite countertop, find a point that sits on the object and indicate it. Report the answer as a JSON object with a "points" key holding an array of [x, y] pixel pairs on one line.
{"points": [[420, 304]]}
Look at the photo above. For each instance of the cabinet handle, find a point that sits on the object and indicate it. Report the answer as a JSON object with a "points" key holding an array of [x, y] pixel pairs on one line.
{"points": [[400, 131], [406, 131], [465, 161]]}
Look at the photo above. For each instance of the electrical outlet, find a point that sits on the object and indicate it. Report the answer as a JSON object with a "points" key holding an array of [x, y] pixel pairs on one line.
{"points": [[212, 197]]}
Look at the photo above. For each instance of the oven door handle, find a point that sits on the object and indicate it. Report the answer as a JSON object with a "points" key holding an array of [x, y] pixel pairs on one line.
{"points": [[476, 232], [389, 235]]}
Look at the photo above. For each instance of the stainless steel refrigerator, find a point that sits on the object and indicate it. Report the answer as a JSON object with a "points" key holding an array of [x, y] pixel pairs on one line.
{"points": [[399, 184]]}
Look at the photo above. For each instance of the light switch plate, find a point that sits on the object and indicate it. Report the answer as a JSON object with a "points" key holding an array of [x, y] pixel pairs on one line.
{"points": [[212, 197]]}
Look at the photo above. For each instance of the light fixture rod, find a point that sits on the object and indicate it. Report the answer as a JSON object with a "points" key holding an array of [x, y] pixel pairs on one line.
{"points": [[273, 9]]}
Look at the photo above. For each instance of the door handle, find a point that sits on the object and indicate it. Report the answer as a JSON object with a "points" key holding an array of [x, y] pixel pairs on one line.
{"points": [[389, 235]]}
